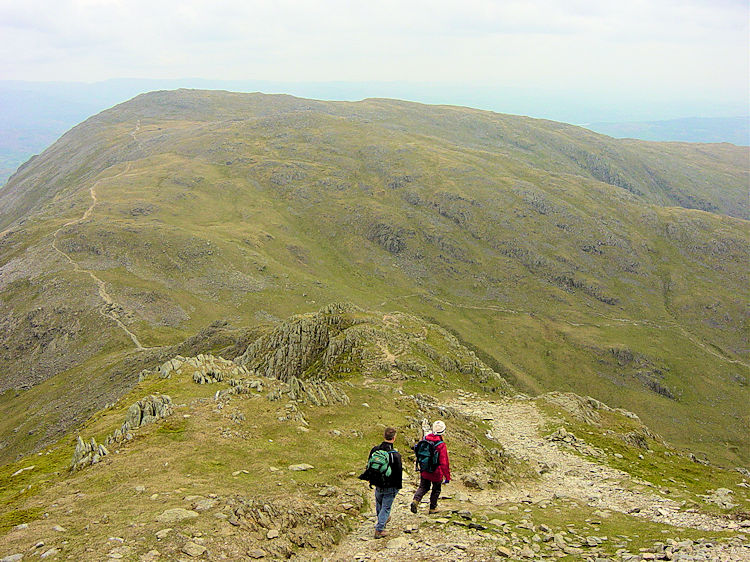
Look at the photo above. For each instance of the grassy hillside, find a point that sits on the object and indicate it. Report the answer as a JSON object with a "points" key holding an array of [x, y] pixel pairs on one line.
{"points": [[566, 259], [260, 458]]}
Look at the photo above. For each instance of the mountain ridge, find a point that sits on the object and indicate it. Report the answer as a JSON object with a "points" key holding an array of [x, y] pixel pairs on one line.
{"points": [[551, 254]]}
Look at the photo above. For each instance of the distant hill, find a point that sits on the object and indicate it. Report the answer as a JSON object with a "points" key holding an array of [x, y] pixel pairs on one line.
{"points": [[735, 130], [35, 114], [567, 260]]}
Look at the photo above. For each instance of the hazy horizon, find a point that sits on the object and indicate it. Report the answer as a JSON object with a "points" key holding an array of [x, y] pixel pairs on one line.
{"points": [[564, 106], [609, 60], [585, 62]]}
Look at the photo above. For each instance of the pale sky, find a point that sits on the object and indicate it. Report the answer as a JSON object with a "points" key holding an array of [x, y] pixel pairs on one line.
{"points": [[660, 50]]}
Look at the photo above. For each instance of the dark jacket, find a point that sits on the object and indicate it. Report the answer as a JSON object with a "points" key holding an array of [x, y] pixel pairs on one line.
{"points": [[443, 471], [395, 479]]}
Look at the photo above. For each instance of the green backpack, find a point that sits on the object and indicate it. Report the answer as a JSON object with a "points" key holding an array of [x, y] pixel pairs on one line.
{"points": [[380, 462]]}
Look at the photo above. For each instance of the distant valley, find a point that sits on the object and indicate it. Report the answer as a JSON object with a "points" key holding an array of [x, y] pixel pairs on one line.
{"points": [[735, 130]]}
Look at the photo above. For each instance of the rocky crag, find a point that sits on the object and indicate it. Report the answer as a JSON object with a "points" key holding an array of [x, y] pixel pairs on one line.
{"points": [[147, 410], [342, 339]]}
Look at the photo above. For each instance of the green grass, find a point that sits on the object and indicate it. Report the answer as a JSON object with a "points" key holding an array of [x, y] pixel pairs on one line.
{"points": [[510, 240]]}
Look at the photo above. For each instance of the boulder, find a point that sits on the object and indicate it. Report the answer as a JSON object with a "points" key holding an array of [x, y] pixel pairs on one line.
{"points": [[176, 515], [163, 533], [194, 550]]}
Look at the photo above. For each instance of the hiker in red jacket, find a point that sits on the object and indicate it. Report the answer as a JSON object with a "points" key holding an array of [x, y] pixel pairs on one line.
{"points": [[442, 473]]}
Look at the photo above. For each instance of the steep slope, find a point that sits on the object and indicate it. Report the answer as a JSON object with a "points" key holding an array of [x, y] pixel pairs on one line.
{"points": [[568, 260], [258, 458]]}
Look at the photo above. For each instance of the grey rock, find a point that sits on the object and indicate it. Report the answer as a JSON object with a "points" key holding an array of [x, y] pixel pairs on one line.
{"points": [[256, 553], [12, 558], [146, 410], [151, 556], [204, 504], [398, 542], [176, 515], [193, 549], [163, 533], [504, 552], [559, 540], [300, 467]]}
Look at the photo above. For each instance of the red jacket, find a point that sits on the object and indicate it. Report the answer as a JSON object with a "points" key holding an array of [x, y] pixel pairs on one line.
{"points": [[443, 471]]}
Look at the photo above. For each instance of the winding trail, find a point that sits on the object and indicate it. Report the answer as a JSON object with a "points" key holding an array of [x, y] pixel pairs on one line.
{"points": [[516, 424], [110, 308]]}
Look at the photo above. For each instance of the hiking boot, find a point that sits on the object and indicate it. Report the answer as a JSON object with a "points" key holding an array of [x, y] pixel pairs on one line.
{"points": [[381, 534], [434, 510], [413, 507]]}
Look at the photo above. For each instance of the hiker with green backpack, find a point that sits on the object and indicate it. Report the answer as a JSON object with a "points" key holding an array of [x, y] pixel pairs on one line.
{"points": [[432, 462], [384, 471]]}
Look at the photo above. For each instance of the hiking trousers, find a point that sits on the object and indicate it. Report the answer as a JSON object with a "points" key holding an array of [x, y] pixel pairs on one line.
{"points": [[424, 486], [383, 502]]}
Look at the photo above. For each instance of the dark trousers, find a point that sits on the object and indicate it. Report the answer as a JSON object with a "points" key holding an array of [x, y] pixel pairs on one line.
{"points": [[424, 485]]}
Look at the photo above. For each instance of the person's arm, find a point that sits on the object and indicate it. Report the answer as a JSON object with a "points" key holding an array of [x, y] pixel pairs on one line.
{"points": [[444, 463], [398, 462]]}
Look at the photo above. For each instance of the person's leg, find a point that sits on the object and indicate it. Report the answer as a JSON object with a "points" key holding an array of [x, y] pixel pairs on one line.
{"points": [[424, 486], [436, 488], [388, 495], [378, 501]]}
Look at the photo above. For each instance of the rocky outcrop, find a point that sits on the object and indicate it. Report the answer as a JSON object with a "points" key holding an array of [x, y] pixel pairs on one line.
{"points": [[240, 386], [147, 410], [391, 238], [562, 435], [292, 348], [342, 339], [87, 453], [314, 392], [204, 368], [584, 408], [290, 526]]}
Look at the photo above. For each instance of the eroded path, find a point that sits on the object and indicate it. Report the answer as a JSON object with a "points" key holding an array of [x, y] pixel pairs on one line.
{"points": [[516, 424], [110, 309]]}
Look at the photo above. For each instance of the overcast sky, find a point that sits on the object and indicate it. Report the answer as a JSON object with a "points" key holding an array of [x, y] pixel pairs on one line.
{"points": [[660, 51]]}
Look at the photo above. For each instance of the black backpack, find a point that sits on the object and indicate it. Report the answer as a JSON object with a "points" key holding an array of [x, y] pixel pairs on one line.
{"points": [[427, 455]]}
